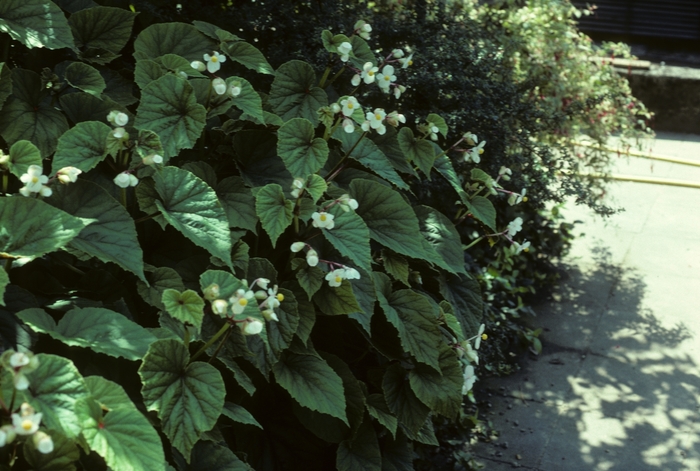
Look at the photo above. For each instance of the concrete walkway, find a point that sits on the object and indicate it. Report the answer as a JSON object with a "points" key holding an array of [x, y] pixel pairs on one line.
{"points": [[617, 386]]}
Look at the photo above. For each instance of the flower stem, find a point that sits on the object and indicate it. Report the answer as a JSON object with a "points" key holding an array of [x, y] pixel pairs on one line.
{"points": [[123, 196], [146, 218], [337, 74], [5, 181], [8, 265], [220, 346], [326, 72], [211, 341], [336, 170]]}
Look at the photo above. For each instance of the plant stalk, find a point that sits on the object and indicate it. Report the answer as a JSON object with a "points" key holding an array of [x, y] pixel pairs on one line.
{"points": [[211, 341]]}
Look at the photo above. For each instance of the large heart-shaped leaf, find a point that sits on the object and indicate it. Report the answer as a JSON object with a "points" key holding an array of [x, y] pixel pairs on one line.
{"points": [[274, 210], [302, 153], [35, 23], [294, 93]]}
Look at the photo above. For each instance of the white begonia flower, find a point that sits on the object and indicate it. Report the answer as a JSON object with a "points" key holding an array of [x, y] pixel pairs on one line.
{"points": [[312, 258], [480, 333], [355, 80], [365, 126], [270, 315], [469, 379], [251, 327], [121, 119], [219, 86], [274, 299], [322, 220], [398, 90], [369, 72], [524, 247], [386, 78], [33, 180], [123, 180], [235, 89], [515, 226], [336, 277], [7, 435], [335, 108], [214, 61], [19, 359], [398, 53], [240, 300], [406, 61], [68, 175], [262, 282], [20, 381], [344, 50], [394, 118], [133, 181], [297, 247], [376, 120], [349, 105], [434, 130], [470, 138], [43, 442], [119, 133], [348, 125], [474, 154], [27, 422], [297, 186], [152, 159], [470, 353], [346, 203], [363, 29], [219, 306], [199, 66], [351, 274]]}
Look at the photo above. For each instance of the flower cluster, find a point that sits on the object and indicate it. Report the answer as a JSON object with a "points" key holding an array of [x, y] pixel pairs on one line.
{"points": [[35, 182], [311, 255], [249, 324], [362, 28], [465, 350], [118, 120], [350, 110], [126, 179], [19, 364], [474, 152]]}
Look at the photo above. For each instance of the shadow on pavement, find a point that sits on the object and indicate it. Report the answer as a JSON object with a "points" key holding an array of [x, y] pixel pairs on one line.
{"points": [[615, 388]]}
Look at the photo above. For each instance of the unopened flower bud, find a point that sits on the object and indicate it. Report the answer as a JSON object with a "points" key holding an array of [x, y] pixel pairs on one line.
{"points": [[270, 315], [251, 326], [297, 246], [68, 175], [219, 86], [42, 442], [219, 306], [260, 295], [211, 292], [198, 66], [152, 159], [312, 258], [262, 282]]}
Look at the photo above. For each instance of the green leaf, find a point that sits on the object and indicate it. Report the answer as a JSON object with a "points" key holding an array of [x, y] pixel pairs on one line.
{"points": [[412, 315], [350, 236], [188, 397], [81, 106], [331, 42], [418, 151], [108, 394], [123, 437], [159, 280], [366, 297], [425, 434], [186, 307], [301, 152], [361, 52], [310, 279], [280, 333], [105, 28], [85, 78], [32, 228], [443, 236], [4, 281], [209, 456], [29, 114], [444, 167], [214, 31], [377, 408], [169, 108], [312, 383], [369, 155], [82, 147], [112, 236], [442, 392], [65, 453], [361, 453], [176, 64], [238, 202], [5, 82], [388, 143], [482, 209], [98, 329], [335, 301], [294, 93], [397, 454], [439, 121], [479, 175], [274, 210], [390, 219], [239, 414], [451, 320], [147, 71], [396, 266], [35, 23], [256, 156], [172, 38], [248, 56], [22, 155], [56, 386], [228, 284], [192, 207], [401, 399], [248, 100], [316, 187], [464, 294]]}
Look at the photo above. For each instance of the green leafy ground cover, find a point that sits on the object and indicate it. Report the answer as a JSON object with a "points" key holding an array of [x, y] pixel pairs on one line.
{"points": [[225, 252]]}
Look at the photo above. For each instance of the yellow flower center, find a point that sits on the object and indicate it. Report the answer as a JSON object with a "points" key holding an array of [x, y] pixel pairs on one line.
{"points": [[481, 151], [338, 279], [214, 59], [322, 218], [350, 105], [280, 297], [27, 424], [370, 73], [410, 62], [35, 179], [484, 336], [243, 302], [524, 199], [377, 116]]}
